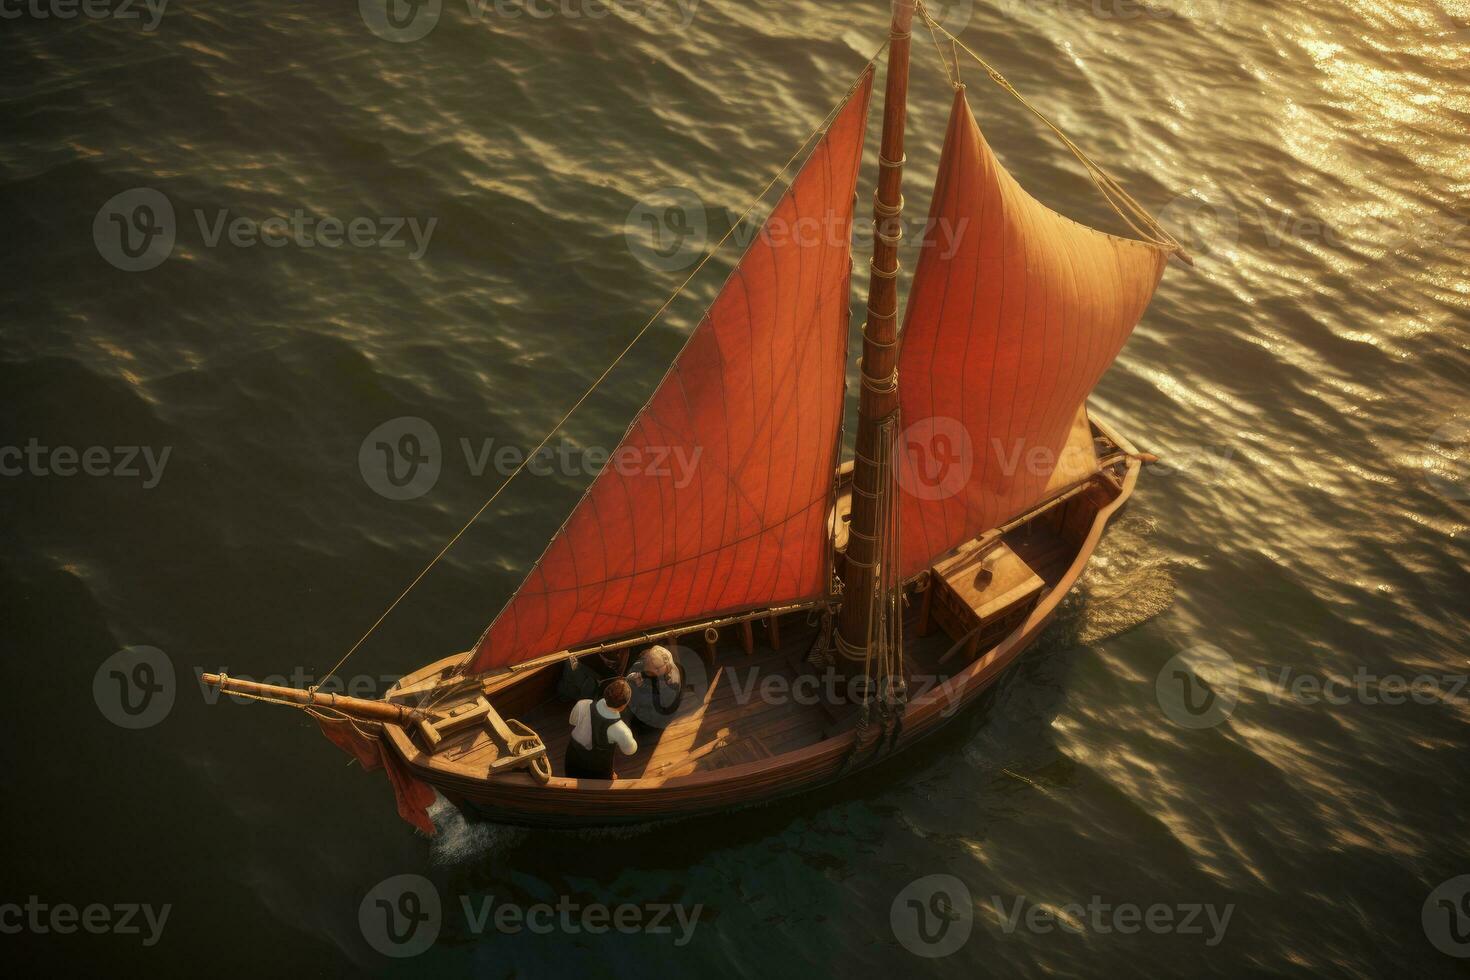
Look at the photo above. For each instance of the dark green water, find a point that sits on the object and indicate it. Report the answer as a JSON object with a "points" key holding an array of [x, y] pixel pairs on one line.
{"points": [[1308, 384]]}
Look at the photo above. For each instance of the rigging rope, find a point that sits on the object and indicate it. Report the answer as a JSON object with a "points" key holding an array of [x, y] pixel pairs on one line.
{"points": [[1134, 214], [954, 74], [525, 460], [884, 674]]}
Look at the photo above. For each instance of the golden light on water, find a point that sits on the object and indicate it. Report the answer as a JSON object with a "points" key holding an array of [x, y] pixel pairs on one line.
{"points": [[1392, 88]]}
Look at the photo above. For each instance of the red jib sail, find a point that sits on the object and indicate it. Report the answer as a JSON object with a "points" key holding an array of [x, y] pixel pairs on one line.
{"points": [[716, 499], [1014, 314]]}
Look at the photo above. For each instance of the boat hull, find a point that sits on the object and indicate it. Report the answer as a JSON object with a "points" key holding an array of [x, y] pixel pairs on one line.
{"points": [[516, 798]]}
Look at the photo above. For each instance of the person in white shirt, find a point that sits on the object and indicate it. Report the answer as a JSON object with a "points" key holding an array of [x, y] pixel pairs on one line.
{"points": [[598, 732]]}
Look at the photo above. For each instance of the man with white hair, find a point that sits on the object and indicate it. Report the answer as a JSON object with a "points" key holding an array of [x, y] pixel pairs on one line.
{"points": [[658, 684]]}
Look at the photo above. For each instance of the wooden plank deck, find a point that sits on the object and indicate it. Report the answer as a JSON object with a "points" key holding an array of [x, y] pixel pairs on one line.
{"points": [[732, 723]]}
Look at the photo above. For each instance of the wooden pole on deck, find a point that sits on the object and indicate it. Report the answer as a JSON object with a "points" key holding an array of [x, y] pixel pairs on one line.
{"points": [[397, 714]]}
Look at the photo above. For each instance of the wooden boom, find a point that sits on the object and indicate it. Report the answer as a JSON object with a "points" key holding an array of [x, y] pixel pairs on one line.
{"points": [[397, 714]]}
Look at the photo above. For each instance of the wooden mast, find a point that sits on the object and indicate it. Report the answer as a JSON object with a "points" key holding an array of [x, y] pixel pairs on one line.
{"points": [[879, 396]]}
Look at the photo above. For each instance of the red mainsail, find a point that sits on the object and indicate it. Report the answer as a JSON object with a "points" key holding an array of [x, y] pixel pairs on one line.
{"points": [[717, 498], [1014, 314]]}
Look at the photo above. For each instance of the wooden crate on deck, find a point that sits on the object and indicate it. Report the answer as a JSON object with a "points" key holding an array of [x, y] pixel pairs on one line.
{"points": [[979, 595]]}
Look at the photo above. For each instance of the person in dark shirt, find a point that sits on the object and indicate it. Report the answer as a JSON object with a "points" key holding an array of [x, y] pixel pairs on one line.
{"points": [[658, 686], [581, 680]]}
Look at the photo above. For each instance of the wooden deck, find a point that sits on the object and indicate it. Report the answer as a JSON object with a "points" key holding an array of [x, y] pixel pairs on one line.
{"points": [[728, 723]]}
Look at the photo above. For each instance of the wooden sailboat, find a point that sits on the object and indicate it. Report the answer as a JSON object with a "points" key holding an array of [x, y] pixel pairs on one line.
{"points": [[893, 588]]}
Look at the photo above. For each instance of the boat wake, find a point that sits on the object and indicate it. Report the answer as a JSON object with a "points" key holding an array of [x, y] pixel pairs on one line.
{"points": [[462, 841], [1127, 583]]}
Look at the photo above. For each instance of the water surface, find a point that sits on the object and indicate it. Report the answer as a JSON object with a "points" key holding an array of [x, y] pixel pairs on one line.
{"points": [[1306, 384]]}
